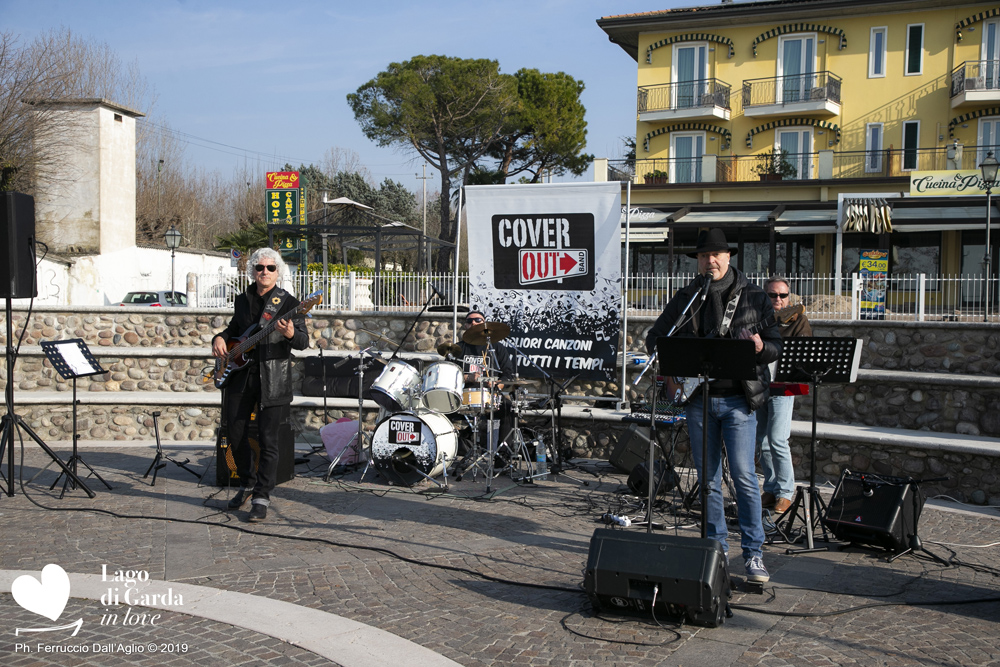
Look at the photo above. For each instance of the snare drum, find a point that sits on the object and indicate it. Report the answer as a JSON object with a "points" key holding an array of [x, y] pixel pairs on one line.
{"points": [[398, 386], [405, 445], [441, 387], [478, 400]]}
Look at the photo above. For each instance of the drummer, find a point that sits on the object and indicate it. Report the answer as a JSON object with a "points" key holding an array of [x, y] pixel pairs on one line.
{"points": [[477, 366], [474, 361]]}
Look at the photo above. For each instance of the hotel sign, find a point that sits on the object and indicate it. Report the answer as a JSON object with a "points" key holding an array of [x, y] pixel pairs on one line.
{"points": [[946, 183], [285, 202]]}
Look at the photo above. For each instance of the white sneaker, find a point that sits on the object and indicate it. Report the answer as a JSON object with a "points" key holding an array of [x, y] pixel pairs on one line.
{"points": [[756, 570]]}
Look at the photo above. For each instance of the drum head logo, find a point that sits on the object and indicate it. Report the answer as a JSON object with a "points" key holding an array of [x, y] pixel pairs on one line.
{"points": [[404, 432], [548, 251]]}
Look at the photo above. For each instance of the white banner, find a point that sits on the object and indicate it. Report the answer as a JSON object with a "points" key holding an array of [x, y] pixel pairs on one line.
{"points": [[546, 260]]}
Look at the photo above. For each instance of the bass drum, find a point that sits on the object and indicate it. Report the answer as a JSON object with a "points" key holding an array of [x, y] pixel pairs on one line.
{"points": [[406, 444], [398, 387]]}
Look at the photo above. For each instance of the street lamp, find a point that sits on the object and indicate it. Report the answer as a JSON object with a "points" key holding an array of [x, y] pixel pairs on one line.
{"points": [[988, 168], [172, 238]]}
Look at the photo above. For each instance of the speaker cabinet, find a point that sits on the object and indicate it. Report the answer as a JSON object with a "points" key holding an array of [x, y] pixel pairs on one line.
{"points": [[17, 246], [632, 448], [876, 510], [341, 377], [225, 455], [638, 479], [687, 575]]}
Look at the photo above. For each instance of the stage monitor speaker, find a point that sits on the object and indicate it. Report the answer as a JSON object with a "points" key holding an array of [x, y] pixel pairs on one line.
{"points": [[632, 448], [638, 479], [225, 459], [876, 510], [687, 574], [17, 246]]}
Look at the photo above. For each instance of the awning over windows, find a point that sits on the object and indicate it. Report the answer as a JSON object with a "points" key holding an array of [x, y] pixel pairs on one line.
{"points": [[873, 216]]}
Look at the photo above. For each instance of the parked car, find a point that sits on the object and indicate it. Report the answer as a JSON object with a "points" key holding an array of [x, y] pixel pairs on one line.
{"points": [[155, 299]]}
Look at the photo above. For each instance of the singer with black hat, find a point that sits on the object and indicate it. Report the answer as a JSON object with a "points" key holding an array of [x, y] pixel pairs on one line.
{"points": [[730, 307]]}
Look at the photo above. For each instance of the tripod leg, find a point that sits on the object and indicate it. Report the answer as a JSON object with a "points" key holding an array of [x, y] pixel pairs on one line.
{"points": [[53, 456]]}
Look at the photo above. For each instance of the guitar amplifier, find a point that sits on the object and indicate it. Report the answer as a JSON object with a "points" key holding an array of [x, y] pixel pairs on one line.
{"points": [[876, 510], [687, 576], [225, 455]]}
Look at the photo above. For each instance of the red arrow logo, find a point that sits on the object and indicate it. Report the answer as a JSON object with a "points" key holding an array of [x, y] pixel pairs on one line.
{"points": [[566, 264]]}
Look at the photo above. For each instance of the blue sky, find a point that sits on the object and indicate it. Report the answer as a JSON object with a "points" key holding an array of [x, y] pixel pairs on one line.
{"points": [[271, 78]]}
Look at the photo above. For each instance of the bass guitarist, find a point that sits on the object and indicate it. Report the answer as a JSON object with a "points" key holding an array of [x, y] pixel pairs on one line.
{"points": [[732, 307], [264, 384]]}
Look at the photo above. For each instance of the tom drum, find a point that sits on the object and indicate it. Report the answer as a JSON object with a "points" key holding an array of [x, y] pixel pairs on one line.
{"points": [[397, 387], [441, 388]]}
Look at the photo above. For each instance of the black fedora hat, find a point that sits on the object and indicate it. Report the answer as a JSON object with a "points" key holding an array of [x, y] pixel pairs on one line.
{"points": [[712, 240]]}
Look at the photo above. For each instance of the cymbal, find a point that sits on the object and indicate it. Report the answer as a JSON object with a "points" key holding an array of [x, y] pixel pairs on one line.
{"points": [[521, 382], [444, 349], [477, 335], [378, 336]]}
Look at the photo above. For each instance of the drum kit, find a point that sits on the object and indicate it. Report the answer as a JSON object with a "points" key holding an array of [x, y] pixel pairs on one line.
{"points": [[415, 438]]}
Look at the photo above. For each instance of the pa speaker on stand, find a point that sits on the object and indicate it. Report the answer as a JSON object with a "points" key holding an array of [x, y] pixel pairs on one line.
{"points": [[17, 246]]}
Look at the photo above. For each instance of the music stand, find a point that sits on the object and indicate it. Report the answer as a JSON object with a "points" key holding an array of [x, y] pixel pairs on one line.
{"points": [[704, 358], [72, 359], [815, 360]]}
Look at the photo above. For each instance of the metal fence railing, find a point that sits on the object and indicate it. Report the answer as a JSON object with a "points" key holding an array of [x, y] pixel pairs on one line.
{"points": [[908, 297], [352, 291]]}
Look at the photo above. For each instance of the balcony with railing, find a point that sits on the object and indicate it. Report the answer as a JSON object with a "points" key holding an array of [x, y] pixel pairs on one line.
{"points": [[975, 82], [822, 165], [701, 99], [908, 297], [812, 94]]}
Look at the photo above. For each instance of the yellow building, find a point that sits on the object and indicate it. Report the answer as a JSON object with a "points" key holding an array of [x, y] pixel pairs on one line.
{"points": [[842, 100]]}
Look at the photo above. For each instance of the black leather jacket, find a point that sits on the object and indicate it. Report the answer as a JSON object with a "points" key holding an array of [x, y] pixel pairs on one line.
{"points": [[273, 354], [753, 308]]}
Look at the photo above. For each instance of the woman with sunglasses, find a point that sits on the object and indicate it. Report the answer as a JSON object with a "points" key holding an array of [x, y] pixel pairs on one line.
{"points": [[774, 419], [265, 384]]}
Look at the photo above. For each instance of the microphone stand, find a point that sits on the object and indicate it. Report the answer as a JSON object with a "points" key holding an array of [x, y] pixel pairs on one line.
{"points": [[682, 319], [427, 303], [555, 398]]}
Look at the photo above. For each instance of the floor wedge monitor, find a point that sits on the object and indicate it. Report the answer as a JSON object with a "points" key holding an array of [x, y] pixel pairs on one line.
{"points": [[666, 576]]}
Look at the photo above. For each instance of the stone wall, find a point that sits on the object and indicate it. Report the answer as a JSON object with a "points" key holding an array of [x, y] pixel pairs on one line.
{"points": [[164, 351]]}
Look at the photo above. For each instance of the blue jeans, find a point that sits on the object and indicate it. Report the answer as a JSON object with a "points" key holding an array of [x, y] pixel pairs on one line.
{"points": [[774, 426], [729, 419]]}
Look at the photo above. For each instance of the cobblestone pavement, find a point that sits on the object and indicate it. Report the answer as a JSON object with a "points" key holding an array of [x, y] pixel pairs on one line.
{"points": [[480, 579]]}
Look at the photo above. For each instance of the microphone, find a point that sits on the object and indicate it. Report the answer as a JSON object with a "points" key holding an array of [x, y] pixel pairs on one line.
{"points": [[707, 282], [436, 291]]}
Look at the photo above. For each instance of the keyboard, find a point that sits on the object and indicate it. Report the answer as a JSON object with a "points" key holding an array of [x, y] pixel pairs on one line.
{"points": [[666, 413]]}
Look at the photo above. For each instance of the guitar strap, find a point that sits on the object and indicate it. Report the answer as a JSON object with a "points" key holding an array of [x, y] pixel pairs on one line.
{"points": [[273, 306], [727, 318]]}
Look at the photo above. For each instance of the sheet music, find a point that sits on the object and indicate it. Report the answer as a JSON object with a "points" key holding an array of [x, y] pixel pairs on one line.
{"points": [[74, 358]]}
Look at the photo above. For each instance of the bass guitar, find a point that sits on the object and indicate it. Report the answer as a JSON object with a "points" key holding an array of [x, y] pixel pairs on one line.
{"points": [[238, 348], [679, 390]]}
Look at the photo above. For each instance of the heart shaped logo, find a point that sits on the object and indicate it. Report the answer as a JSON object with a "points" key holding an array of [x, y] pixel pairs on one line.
{"points": [[48, 597]]}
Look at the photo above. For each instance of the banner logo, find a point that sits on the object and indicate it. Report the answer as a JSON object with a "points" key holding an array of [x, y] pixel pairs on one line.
{"points": [[550, 251], [543, 265]]}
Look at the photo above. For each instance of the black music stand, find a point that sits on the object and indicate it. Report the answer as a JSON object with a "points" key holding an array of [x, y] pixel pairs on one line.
{"points": [[704, 358], [72, 359], [817, 361]]}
